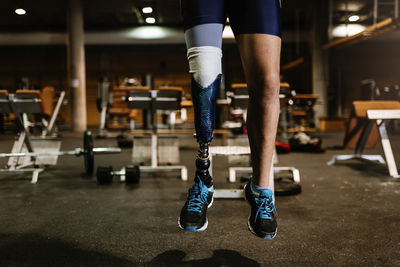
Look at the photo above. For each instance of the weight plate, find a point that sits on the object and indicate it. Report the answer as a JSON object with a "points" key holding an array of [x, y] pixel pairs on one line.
{"points": [[88, 154], [104, 175], [286, 187], [132, 174]]}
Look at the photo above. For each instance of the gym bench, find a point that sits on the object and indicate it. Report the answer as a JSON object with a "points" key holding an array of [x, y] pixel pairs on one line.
{"points": [[376, 113]]}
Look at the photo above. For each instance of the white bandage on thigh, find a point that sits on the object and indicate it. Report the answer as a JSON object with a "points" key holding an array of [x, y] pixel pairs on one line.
{"points": [[205, 64]]}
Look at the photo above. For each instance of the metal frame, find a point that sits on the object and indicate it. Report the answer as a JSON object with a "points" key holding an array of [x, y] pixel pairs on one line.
{"points": [[233, 171], [50, 128], [22, 154], [378, 117], [244, 150], [153, 102], [14, 165], [377, 3]]}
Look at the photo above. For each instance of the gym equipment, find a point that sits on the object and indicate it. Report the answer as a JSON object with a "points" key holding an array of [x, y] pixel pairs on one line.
{"points": [[154, 100], [375, 112], [286, 187], [388, 93], [283, 186], [46, 152], [88, 151], [296, 112], [26, 102], [300, 110], [115, 114], [129, 174], [239, 101], [280, 186], [104, 102], [167, 149]]}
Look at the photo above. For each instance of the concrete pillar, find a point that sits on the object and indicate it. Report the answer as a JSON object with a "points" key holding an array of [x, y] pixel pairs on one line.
{"points": [[76, 65], [319, 65]]}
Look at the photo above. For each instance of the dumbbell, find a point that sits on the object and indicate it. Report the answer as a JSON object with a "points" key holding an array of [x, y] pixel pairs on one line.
{"points": [[129, 174]]}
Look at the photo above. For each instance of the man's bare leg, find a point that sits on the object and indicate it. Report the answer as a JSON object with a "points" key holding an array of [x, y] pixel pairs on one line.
{"points": [[260, 54]]}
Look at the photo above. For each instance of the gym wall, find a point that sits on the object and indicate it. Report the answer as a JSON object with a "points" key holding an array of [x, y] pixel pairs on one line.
{"points": [[46, 65]]}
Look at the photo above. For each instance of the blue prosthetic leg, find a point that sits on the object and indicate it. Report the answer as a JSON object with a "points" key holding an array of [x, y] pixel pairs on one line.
{"points": [[204, 100]]}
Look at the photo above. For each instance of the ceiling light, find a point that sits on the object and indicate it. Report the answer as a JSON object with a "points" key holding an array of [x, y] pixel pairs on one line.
{"points": [[150, 20], [20, 11], [344, 30], [147, 10], [354, 18], [228, 33], [149, 32]]}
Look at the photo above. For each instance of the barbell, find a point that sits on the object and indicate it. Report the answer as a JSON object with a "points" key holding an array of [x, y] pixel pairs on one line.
{"points": [[88, 152]]}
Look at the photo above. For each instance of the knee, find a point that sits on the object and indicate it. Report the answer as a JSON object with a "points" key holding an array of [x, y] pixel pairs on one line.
{"points": [[265, 91]]}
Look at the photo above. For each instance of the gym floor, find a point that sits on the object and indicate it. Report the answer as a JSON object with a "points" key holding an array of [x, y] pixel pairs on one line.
{"points": [[347, 214]]}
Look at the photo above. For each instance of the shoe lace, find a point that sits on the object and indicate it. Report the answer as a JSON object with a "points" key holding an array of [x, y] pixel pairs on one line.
{"points": [[266, 207], [197, 198]]}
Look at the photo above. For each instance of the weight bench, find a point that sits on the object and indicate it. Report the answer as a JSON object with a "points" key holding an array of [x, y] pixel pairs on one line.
{"points": [[171, 113], [157, 100], [120, 113], [8, 104], [35, 102], [375, 112], [23, 103]]}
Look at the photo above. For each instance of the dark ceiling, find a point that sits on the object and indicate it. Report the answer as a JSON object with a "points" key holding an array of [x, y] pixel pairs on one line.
{"points": [[50, 15]]}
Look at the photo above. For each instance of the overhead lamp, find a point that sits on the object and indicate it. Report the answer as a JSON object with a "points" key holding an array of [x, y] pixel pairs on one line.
{"points": [[150, 20], [344, 30], [20, 11], [228, 33], [147, 10], [149, 32], [354, 18]]}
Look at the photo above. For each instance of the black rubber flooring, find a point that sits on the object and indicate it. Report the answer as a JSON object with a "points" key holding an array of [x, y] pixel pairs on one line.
{"points": [[347, 214]]}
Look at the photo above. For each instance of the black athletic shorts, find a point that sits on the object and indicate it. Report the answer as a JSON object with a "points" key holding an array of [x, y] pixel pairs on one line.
{"points": [[245, 16]]}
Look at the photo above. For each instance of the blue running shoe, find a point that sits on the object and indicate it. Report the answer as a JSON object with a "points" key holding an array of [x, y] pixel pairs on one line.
{"points": [[193, 216], [262, 220]]}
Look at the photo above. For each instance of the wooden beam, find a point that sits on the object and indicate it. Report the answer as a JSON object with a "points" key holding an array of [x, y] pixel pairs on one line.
{"points": [[292, 64], [373, 30]]}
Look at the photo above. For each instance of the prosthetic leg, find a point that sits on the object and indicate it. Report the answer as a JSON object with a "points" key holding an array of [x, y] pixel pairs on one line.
{"points": [[193, 215], [204, 56], [204, 110]]}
